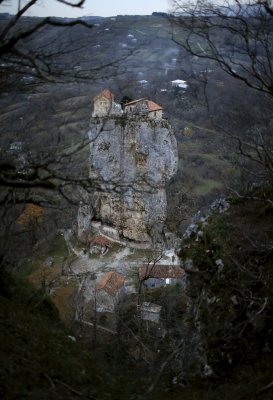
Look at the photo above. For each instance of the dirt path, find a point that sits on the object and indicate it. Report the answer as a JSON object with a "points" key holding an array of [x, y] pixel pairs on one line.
{"points": [[119, 260]]}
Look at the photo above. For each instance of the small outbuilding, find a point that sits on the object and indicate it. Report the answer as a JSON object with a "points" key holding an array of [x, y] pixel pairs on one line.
{"points": [[109, 291], [100, 244], [150, 312], [160, 275], [143, 82], [179, 83]]}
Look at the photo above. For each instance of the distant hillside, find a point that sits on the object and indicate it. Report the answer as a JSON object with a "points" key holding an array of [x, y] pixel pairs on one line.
{"points": [[133, 56]]}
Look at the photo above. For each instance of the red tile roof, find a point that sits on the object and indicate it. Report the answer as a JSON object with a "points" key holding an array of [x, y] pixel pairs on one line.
{"points": [[152, 106], [101, 241], [106, 93], [160, 271], [111, 282]]}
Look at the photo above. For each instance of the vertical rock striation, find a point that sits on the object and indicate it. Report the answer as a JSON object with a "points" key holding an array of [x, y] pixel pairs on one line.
{"points": [[133, 154], [131, 159]]}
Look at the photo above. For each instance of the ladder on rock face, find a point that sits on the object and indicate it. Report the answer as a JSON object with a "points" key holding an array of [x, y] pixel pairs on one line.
{"points": [[138, 311]]}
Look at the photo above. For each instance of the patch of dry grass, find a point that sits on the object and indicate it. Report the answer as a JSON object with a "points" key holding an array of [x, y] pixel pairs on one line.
{"points": [[64, 299]]}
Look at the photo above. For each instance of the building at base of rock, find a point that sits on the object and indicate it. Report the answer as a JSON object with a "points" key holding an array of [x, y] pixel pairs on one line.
{"points": [[109, 291]]}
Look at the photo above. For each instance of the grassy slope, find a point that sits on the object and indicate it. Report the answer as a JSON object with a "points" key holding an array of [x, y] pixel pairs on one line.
{"points": [[38, 360]]}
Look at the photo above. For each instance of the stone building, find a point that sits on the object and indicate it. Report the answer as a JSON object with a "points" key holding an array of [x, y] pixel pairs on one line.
{"points": [[110, 289], [144, 107], [160, 275], [104, 104], [100, 244], [150, 312]]}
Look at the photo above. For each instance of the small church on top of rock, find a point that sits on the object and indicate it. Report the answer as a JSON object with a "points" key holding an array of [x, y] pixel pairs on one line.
{"points": [[104, 104], [144, 106]]}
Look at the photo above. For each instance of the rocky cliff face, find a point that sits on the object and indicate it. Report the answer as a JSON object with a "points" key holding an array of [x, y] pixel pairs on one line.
{"points": [[131, 160]]}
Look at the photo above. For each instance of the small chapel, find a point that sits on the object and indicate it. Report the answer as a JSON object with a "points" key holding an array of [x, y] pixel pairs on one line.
{"points": [[104, 104]]}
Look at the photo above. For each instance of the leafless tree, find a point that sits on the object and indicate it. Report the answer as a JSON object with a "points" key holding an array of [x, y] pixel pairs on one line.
{"points": [[237, 37], [43, 168], [17, 50], [49, 48]]}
